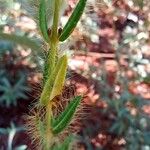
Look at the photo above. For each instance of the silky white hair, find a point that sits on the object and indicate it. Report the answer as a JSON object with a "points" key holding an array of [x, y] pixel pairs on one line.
{"points": [[32, 8]]}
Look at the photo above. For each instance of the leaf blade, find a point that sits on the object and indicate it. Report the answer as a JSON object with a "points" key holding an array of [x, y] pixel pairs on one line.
{"points": [[73, 20], [60, 123], [43, 20], [55, 82]]}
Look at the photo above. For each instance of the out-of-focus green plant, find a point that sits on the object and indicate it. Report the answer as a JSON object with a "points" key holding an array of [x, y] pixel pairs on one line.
{"points": [[11, 132], [18, 36], [13, 84], [132, 127], [48, 123], [11, 93], [21, 40], [13, 73]]}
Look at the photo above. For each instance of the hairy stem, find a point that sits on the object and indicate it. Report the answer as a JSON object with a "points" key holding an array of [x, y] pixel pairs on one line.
{"points": [[54, 35], [48, 133], [52, 61]]}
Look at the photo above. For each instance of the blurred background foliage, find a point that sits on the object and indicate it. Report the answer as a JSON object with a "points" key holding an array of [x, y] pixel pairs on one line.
{"points": [[109, 63]]}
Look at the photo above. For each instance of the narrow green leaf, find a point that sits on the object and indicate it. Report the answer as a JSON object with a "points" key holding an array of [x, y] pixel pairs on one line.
{"points": [[43, 20], [73, 20], [59, 79], [60, 123], [55, 82]]}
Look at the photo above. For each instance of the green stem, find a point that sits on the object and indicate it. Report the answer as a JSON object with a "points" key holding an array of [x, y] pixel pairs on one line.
{"points": [[51, 62], [49, 135], [54, 35]]}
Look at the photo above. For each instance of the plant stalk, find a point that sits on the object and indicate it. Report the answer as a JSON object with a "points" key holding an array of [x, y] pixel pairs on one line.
{"points": [[54, 33], [49, 135], [54, 36], [52, 61]]}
